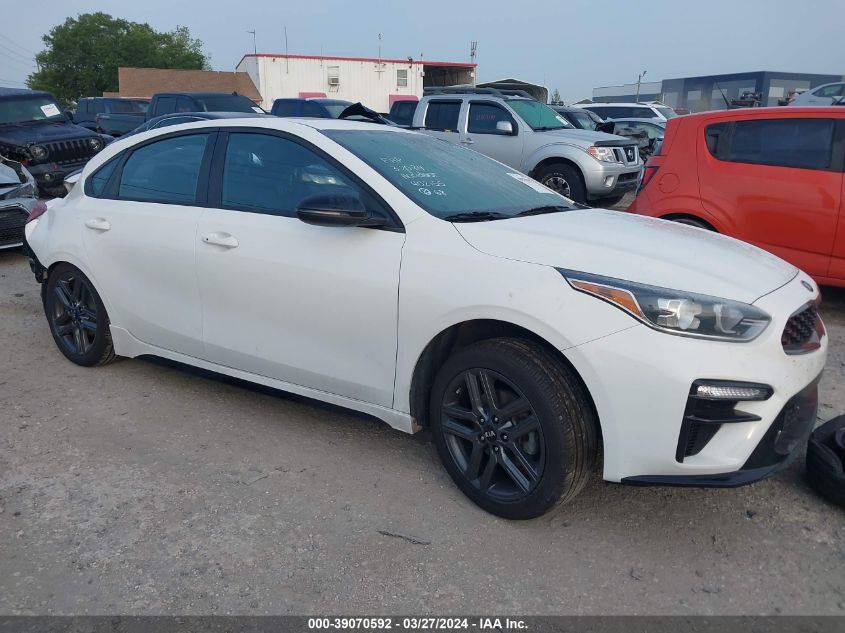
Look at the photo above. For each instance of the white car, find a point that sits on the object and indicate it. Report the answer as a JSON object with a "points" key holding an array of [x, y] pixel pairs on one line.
{"points": [[430, 286], [825, 95], [611, 111]]}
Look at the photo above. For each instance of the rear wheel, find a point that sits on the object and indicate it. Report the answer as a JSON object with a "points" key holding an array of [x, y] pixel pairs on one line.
{"points": [[77, 317], [513, 427], [565, 180]]}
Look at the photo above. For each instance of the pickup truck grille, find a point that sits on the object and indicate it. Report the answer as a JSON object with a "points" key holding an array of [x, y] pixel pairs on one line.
{"points": [[68, 151]]}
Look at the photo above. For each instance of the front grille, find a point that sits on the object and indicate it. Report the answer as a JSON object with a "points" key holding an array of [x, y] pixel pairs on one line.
{"points": [[68, 151], [627, 177], [11, 226], [803, 331]]}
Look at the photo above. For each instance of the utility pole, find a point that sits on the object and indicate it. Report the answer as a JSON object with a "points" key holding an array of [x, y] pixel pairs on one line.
{"points": [[639, 81], [254, 47], [473, 47]]}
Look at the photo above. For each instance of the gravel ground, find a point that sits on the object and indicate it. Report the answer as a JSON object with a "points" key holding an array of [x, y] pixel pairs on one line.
{"points": [[143, 489]]}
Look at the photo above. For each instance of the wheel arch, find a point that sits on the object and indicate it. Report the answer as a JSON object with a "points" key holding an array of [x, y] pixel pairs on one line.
{"points": [[555, 160], [465, 333], [689, 216], [66, 258]]}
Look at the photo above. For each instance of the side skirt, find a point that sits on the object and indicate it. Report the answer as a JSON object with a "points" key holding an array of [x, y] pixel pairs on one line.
{"points": [[127, 345]]}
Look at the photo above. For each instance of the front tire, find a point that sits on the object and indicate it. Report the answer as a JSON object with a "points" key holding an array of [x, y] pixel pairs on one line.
{"points": [[565, 180], [77, 317], [514, 427]]}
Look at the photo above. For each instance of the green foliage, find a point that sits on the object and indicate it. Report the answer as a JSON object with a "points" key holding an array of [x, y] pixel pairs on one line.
{"points": [[82, 55]]}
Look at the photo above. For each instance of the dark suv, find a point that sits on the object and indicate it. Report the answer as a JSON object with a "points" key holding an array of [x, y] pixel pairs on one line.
{"points": [[37, 132]]}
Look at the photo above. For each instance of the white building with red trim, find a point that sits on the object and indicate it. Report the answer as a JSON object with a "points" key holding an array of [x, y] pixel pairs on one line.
{"points": [[377, 83]]}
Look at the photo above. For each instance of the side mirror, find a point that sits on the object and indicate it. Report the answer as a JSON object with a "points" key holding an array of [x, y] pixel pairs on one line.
{"points": [[336, 210], [504, 127]]}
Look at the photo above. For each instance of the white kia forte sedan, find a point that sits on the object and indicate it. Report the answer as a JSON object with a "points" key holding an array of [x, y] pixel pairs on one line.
{"points": [[427, 285]]}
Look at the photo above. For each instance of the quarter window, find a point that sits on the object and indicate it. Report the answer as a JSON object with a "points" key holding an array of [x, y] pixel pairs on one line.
{"points": [[98, 180], [164, 171], [483, 118], [270, 174], [801, 143], [442, 115]]}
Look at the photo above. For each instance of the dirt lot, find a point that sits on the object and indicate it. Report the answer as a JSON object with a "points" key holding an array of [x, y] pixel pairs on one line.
{"points": [[137, 488]]}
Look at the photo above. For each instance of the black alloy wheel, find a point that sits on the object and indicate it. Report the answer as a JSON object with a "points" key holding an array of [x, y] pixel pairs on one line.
{"points": [[514, 426], [493, 434], [77, 317]]}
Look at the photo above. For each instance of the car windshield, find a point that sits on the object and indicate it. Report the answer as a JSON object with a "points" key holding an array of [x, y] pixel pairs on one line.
{"points": [[228, 103], [130, 106], [586, 119], [447, 179], [668, 113], [30, 108], [539, 116]]}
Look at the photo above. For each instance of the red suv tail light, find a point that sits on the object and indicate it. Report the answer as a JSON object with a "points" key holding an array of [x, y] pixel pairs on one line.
{"points": [[648, 174], [37, 211]]}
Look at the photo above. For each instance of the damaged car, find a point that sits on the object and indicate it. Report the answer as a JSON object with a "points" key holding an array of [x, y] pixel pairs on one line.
{"points": [[18, 197], [37, 132]]}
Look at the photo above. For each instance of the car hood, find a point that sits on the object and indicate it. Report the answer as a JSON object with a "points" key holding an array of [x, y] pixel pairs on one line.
{"points": [[24, 134], [585, 137], [635, 248], [15, 180]]}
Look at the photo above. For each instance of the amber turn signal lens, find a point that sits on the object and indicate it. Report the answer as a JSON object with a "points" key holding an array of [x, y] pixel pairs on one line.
{"points": [[622, 298]]}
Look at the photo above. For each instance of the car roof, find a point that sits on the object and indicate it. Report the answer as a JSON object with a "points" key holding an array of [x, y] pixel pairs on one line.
{"points": [[331, 101], [784, 111], [21, 92], [632, 104], [633, 119], [201, 94]]}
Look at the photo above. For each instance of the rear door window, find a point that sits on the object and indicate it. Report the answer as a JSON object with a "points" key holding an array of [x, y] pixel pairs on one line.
{"points": [[164, 171], [442, 115], [800, 143]]}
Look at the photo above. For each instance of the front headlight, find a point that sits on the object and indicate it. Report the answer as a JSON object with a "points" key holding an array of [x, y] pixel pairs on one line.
{"points": [[675, 311], [38, 152], [96, 144], [605, 154]]}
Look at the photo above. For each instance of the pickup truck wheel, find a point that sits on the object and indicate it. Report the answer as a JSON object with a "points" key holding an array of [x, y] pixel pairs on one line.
{"points": [[513, 426], [564, 179]]}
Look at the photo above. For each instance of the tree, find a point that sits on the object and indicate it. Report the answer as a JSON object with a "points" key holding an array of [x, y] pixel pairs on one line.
{"points": [[82, 55], [556, 96]]}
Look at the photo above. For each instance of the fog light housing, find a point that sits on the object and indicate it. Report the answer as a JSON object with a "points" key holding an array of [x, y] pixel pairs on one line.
{"points": [[719, 390]]}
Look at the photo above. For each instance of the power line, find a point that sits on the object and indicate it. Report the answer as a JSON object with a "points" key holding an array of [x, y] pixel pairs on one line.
{"points": [[28, 64], [17, 54], [14, 43], [12, 81]]}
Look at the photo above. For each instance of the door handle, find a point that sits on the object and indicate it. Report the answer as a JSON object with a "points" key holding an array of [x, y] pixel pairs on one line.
{"points": [[98, 224], [221, 239]]}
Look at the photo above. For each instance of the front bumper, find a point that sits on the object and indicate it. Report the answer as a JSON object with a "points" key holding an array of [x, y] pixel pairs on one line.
{"points": [[779, 447], [640, 380], [50, 175], [611, 180]]}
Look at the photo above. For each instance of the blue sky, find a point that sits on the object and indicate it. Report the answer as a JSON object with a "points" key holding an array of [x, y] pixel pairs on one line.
{"points": [[571, 45]]}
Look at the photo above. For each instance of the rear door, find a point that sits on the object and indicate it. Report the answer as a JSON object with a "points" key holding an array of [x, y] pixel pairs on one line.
{"points": [[777, 182], [140, 220], [837, 260], [442, 119]]}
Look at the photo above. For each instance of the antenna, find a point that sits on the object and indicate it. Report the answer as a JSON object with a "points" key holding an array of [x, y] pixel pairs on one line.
{"points": [[724, 97], [287, 59], [473, 47], [254, 47]]}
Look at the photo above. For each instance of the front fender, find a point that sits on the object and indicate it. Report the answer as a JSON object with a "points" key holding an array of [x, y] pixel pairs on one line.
{"points": [[566, 151]]}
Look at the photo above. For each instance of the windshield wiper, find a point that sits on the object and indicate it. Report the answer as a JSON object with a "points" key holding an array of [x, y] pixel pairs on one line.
{"points": [[475, 216], [550, 208]]}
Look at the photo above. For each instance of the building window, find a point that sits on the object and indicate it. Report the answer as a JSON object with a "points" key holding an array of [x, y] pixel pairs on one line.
{"points": [[402, 77], [334, 75]]}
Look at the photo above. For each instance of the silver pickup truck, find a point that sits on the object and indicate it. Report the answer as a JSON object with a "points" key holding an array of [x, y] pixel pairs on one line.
{"points": [[529, 136]]}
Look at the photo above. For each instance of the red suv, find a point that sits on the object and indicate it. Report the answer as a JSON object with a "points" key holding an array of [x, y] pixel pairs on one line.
{"points": [[769, 176]]}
